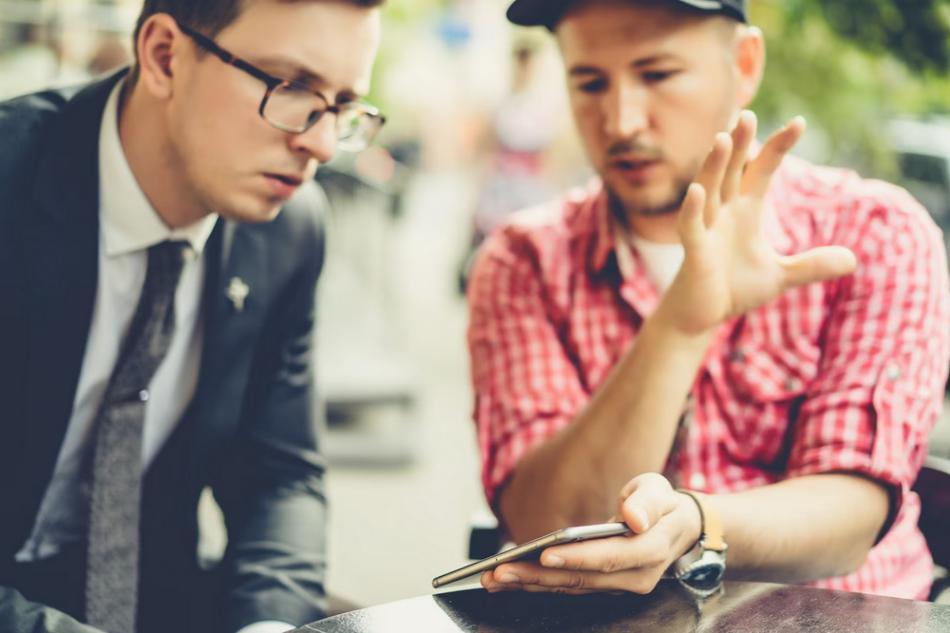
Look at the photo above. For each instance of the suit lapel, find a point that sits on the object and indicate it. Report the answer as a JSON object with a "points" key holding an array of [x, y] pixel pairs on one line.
{"points": [[237, 256], [61, 265]]}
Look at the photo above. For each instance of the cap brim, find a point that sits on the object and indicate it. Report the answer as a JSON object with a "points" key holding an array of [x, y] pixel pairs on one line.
{"points": [[536, 12], [726, 8], [548, 12]]}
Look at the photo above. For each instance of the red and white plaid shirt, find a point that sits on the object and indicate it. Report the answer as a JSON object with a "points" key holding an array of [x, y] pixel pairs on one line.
{"points": [[839, 376]]}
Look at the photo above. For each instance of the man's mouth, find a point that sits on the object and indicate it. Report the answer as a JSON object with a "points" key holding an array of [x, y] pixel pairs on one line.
{"points": [[636, 171], [629, 163], [293, 181], [283, 185]]}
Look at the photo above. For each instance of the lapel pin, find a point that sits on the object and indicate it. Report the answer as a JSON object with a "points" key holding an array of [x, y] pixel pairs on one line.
{"points": [[237, 292]]}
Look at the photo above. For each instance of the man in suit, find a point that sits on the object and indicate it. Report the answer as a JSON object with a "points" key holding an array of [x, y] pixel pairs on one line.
{"points": [[160, 242]]}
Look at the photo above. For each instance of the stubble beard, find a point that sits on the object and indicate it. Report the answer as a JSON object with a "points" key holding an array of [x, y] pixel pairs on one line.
{"points": [[627, 207], [630, 206]]}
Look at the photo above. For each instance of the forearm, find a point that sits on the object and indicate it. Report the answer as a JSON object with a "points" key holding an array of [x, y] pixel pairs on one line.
{"points": [[802, 529], [627, 428], [273, 497], [278, 560]]}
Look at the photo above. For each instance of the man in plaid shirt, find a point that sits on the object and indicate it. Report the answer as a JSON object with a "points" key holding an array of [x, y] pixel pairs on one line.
{"points": [[770, 334]]}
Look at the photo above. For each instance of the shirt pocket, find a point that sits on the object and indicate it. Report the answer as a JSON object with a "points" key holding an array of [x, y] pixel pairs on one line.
{"points": [[764, 383], [771, 371]]}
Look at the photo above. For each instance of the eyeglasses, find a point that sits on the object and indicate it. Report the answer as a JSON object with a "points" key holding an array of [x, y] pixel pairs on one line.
{"points": [[292, 106]]}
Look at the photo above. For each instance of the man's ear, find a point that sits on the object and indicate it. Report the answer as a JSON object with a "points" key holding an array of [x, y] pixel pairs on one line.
{"points": [[750, 63], [158, 42]]}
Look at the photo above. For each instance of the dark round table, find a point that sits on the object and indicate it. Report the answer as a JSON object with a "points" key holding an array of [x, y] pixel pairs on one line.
{"points": [[741, 608]]}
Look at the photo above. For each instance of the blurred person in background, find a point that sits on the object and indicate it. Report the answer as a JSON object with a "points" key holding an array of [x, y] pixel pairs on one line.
{"points": [[32, 56], [730, 339], [521, 129], [160, 244], [110, 54]]}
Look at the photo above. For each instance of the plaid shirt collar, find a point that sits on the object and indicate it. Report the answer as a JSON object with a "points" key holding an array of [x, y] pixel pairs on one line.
{"points": [[596, 213]]}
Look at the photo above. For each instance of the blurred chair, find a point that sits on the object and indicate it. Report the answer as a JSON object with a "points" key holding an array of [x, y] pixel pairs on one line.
{"points": [[485, 537], [368, 383], [933, 486]]}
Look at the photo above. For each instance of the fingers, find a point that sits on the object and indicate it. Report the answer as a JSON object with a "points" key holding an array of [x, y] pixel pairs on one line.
{"points": [[759, 173], [609, 555], [819, 264], [528, 577], [691, 221], [645, 500], [632, 563], [711, 175], [742, 137]]}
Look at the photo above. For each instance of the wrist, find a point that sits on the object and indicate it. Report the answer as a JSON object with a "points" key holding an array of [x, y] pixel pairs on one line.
{"points": [[692, 523], [685, 333], [702, 568]]}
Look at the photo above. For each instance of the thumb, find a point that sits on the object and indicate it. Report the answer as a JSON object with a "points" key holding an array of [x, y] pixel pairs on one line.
{"points": [[646, 499], [819, 264]]}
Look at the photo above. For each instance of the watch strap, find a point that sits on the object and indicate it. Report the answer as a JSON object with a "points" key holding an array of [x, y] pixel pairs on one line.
{"points": [[711, 536]]}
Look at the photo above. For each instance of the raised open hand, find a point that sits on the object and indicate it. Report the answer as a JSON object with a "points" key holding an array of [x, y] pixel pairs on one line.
{"points": [[729, 266]]}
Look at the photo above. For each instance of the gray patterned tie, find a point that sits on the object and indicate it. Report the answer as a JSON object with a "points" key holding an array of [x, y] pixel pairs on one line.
{"points": [[116, 476]]}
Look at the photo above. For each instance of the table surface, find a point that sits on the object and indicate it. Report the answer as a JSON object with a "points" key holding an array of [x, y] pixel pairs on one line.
{"points": [[741, 608]]}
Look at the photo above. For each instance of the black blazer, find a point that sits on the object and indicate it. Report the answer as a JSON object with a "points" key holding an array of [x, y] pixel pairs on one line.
{"points": [[251, 430]]}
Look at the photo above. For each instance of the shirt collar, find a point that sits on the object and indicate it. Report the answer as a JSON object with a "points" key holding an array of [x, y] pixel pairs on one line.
{"points": [[625, 258], [128, 221], [604, 239]]}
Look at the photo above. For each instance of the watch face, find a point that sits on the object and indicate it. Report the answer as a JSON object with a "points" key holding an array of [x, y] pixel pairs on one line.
{"points": [[704, 577]]}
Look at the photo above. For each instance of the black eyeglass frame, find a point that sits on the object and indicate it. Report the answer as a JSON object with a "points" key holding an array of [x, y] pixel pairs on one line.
{"points": [[273, 83]]}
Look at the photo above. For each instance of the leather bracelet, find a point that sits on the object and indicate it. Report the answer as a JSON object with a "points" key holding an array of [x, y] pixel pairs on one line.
{"points": [[710, 527]]}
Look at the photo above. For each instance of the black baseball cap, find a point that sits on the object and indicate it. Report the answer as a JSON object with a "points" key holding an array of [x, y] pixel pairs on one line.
{"points": [[548, 12]]}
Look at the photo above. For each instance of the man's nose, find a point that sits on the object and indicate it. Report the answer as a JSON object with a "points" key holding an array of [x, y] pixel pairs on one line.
{"points": [[319, 141], [626, 111]]}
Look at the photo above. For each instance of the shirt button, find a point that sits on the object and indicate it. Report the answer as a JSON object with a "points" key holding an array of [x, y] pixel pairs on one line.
{"points": [[697, 481], [144, 395], [893, 372], [736, 356], [188, 254], [791, 384]]}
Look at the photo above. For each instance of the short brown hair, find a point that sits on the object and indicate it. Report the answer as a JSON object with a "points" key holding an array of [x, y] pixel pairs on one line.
{"points": [[208, 17]]}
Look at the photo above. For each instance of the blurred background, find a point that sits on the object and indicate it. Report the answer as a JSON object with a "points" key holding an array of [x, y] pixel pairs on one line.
{"points": [[477, 128]]}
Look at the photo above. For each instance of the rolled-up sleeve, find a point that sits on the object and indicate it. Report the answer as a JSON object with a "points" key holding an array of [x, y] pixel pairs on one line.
{"points": [[886, 346]]}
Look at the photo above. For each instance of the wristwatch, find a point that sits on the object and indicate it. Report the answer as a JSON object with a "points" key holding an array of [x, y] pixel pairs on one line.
{"points": [[702, 568]]}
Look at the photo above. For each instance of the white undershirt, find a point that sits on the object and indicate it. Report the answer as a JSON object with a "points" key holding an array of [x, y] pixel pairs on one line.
{"points": [[662, 261], [128, 227]]}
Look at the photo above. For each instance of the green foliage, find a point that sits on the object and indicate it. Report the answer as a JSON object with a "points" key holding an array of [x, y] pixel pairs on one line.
{"points": [[403, 11], [915, 31], [849, 65]]}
